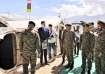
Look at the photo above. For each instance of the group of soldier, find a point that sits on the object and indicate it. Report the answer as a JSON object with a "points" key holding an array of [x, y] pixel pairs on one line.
{"points": [[91, 45]]}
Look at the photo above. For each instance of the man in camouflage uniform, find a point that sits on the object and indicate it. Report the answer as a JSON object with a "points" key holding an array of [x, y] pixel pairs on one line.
{"points": [[100, 49], [87, 41], [29, 42], [68, 41]]}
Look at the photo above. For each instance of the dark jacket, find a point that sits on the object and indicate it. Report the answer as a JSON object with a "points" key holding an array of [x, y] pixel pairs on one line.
{"points": [[44, 34]]}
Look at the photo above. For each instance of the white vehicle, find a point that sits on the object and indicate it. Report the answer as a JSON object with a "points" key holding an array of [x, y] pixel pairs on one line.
{"points": [[5, 28], [7, 46]]}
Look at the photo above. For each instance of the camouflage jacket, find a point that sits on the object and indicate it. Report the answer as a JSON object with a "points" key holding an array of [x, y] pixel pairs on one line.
{"points": [[100, 43], [29, 42], [68, 39], [87, 42]]}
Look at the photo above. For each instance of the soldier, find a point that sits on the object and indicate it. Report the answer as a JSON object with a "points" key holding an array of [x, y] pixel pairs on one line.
{"points": [[68, 41], [87, 40], [100, 49], [29, 42]]}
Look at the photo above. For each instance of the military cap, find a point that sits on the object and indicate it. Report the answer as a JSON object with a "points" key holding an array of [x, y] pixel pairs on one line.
{"points": [[101, 23], [82, 22], [88, 24], [67, 24], [91, 23]]}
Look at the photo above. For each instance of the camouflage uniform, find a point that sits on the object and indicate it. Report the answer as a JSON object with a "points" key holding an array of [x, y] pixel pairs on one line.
{"points": [[87, 41], [29, 42], [68, 45], [100, 49]]}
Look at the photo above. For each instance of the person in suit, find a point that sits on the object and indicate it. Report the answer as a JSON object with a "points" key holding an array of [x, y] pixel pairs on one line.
{"points": [[43, 34]]}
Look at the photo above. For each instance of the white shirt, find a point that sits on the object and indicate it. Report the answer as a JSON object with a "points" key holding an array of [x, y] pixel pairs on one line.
{"points": [[52, 39], [77, 35]]}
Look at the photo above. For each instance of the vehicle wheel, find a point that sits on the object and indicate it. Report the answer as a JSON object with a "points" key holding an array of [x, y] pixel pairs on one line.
{"points": [[8, 52]]}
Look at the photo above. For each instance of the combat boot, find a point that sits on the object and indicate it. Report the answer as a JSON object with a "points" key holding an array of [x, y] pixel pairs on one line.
{"points": [[71, 66], [83, 71], [67, 66], [89, 72]]}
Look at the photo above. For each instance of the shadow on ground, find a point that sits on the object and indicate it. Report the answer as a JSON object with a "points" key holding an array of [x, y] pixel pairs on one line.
{"points": [[57, 69], [74, 71]]}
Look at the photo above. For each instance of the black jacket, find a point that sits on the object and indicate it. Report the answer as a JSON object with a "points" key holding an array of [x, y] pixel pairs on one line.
{"points": [[43, 34]]}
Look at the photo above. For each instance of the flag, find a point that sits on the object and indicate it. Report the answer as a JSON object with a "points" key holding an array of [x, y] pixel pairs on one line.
{"points": [[29, 6]]}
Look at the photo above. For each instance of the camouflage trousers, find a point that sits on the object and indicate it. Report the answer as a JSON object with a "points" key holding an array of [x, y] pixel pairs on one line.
{"points": [[86, 61], [103, 64], [29, 60], [69, 58], [100, 65]]}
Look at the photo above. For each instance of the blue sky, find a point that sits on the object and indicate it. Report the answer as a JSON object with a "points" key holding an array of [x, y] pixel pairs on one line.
{"points": [[39, 7], [68, 8]]}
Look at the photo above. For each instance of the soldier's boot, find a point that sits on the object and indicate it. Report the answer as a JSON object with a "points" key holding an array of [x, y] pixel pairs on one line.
{"points": [[72, 66], [33, 67], [88, 72], [83, 71], [67, 66], [25, 68]]}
